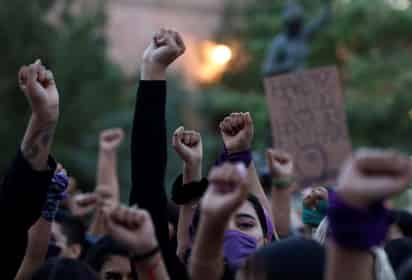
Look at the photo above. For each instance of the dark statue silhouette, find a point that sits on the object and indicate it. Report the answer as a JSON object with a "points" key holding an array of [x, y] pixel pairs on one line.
{"points": [[290, 49]]}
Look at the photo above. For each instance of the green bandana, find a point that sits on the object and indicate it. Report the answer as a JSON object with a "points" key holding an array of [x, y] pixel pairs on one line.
{"points": [[313, 217]]}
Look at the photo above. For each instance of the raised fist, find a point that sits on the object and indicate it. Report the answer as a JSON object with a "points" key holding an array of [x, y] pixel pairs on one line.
{"points": [[227, 191], [111, 139], [165, 48], [312, 196], [83, 204], [280, 164], [131, 227], [40, 89], [373, 175], [237, 132], [188, 145]]}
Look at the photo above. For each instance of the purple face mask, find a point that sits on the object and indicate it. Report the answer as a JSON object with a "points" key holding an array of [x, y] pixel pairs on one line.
{"points": [[237, 246]]}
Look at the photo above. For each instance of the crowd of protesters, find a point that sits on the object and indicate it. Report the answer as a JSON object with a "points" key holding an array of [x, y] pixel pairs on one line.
{"points": [[224, 226]]}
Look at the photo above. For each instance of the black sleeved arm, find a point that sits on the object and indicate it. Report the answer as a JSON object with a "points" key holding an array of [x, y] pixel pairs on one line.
{"points": [[22, 195], [149, 159]]}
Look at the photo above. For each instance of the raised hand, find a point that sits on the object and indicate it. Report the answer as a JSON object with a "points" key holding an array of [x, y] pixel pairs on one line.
{"points": [[312, 196], [280, 164], [132, 227], [227, 191], [165, 48], [40, 89], [373, 175], [111, 139], [188, 145], [237, 132], [83, 204]]}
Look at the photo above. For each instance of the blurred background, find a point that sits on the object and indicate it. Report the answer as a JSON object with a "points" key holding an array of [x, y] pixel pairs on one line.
{"points": [[94, 48]]}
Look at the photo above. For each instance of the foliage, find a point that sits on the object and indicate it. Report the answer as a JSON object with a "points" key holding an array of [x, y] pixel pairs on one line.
{"points": [[369, 43], [73, 46]]}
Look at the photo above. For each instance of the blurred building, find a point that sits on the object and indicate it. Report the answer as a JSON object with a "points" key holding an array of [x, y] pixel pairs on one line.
{"points": [[132, 23]]}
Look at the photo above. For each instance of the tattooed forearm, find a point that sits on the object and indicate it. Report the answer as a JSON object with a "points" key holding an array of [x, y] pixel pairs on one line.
{"points": [[36, 143]]}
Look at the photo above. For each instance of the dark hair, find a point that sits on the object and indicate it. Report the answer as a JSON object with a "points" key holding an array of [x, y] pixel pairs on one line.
{"points": [[73, 228], [105, 248], [405, 272], [403, 219], [256, 205], [64, 269], [398, 251], [292, 259]]}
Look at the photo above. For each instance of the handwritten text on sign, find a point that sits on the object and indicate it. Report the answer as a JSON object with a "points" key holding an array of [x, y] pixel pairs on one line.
{"points": [[308, 120]]}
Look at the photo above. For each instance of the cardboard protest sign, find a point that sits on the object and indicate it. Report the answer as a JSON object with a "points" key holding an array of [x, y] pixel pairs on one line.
{"points": [[308, 120]]}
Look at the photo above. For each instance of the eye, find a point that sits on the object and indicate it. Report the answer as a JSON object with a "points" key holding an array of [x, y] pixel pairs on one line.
{"points": [[244, 223], [246, 226]]}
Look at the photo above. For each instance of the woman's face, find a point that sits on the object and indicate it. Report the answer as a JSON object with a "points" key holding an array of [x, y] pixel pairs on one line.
{"points": [[116, 268], [246, 220]]}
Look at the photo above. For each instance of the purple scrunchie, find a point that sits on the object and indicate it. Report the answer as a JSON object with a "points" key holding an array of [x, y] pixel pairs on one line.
{"points": [[244, 156], [357, 228], [55, 194]]}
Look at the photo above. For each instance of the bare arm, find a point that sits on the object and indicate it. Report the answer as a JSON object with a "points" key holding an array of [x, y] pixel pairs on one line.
{"points": [[134, 228], [218, 204], [110, 140], [36, 250], [281, 168], [207, 261], [40, 89], [348, 264], [255, 187], [188, 145], [368, 178], [237, 131]]}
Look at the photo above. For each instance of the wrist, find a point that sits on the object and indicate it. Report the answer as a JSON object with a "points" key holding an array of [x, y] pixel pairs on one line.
{"points": [[146, 259], [282, 182], [47, 115], [192, 172], [235, 150], [153, 72], [214, 221]]}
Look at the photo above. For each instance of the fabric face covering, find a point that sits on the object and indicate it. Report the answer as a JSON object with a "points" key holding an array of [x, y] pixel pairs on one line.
{"points": [[237, 246], [314, 217]]}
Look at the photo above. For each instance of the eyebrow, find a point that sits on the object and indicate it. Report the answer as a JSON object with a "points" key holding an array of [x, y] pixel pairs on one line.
{"points": [[244, 215]]}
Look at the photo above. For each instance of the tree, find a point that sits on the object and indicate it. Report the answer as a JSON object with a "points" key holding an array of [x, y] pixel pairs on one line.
{"points": [[369, 43], [73, 45]]}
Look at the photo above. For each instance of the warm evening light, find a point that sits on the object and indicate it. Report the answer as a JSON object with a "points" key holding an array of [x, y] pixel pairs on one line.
{"points": [[214, 60], [221, 54]]}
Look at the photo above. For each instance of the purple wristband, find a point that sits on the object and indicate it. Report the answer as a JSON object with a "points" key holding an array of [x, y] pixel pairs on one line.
{"points": [[357, 228], [245, 157]]}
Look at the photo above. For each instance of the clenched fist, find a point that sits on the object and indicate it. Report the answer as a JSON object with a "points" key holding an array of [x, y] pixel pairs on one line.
{"points": [[373, 175], [280, 164], [188, 144], [111, 139], [227, 191], [237, 132], [165, 48], [131, 227], [82, 204], [40, 89]]}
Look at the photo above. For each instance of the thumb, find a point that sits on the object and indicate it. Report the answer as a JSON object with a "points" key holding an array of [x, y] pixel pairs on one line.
{"points": [[176, 137], [269, 158], [248, 120]]}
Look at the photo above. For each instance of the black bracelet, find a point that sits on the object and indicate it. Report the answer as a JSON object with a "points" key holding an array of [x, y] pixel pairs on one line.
{"points": [[145, 256], [184, 194]]}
